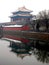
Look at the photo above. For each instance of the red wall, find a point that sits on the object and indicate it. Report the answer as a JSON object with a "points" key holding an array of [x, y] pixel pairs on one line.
{"points": [[17, 28], [26, 28], [11, 28]]}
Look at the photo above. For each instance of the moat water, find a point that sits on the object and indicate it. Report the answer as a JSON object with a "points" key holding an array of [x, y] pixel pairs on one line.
{"points": [[33, 52]]}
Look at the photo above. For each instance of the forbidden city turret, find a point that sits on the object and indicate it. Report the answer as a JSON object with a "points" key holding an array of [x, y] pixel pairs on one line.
{"points": [[21, 16]]}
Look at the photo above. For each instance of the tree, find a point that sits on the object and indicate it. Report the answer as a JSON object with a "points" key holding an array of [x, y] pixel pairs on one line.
{"points": [[44, 15]]}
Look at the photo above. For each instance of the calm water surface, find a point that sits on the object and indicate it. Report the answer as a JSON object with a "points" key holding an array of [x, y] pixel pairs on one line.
{"points": [[21, 54]]}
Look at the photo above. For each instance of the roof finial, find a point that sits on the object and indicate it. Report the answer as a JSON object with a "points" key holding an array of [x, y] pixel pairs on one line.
{"points": [[24, 9]]}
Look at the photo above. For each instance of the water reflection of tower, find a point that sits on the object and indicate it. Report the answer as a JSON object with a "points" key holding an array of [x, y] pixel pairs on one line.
{"points": [[40, 50], [23, 55], [20, 49]]}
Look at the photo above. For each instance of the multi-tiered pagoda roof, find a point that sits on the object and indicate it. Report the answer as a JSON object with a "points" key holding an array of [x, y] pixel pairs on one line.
{"points": [[21, 16], [22, 12]]}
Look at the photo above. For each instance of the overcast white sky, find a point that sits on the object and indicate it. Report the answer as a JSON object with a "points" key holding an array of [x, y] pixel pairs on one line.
{"points": [[8, 6]]}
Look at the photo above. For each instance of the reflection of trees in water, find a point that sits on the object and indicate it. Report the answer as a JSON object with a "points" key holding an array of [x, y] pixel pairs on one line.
{"points": [[42, 52], [38, 48], [42, 56]]}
